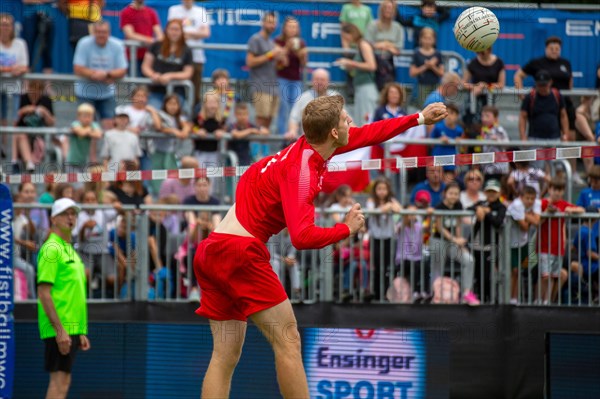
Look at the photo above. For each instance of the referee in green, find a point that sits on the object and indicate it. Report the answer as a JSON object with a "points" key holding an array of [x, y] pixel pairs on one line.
{"points": [[62, 308]]}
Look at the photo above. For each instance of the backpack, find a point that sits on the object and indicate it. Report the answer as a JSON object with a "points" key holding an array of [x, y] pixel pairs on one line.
{"points": [[385, 72], [446, 290], [532, 95]]}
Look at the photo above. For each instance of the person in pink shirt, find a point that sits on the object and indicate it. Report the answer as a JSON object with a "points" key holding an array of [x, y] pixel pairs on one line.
{"points": [[182, 188]]}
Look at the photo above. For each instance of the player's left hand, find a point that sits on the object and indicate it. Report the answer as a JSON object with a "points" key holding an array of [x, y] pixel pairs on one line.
{"points": [[434, 113]]}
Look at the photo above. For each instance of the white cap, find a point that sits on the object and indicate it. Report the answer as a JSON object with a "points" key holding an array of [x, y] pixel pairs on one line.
{"points": [[62, 205]]}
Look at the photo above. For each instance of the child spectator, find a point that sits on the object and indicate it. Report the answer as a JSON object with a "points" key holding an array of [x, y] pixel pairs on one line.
{"points": [[590, 197], [341, 201], [447, 242], [120, 143], [207, 132], [240, 128], [447, 130], [381, 233], [82, 143], [174, 125], [202, 189], [525, 213], [585, 244], [227, 96], [409, 252], [130, 192], [157, 251], [491, 130], [553, 238], [526, 175], [172, 219], [426, 64], [486, 238]]}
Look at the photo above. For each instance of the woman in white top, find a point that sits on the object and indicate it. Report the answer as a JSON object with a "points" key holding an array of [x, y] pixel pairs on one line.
{"points": [[472, 193], [14, 60]]}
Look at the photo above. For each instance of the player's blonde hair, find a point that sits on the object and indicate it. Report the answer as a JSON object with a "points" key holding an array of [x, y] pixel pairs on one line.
{"points": [[320, 116]]}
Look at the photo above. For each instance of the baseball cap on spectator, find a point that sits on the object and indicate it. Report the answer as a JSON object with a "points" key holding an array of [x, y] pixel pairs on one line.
{"points": [[492, 185], [423, 196], [121, 111], [542, 76], [61, 205]]}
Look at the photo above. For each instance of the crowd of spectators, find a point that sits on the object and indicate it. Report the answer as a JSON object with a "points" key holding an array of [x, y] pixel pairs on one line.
{"points": [[104, 137]]}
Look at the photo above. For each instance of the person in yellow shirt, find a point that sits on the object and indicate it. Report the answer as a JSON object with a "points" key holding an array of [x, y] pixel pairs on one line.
{"points": [[81, 14]]}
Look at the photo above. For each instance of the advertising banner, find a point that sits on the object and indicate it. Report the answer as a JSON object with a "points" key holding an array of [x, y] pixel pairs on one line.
{"points": [[7, 336]]}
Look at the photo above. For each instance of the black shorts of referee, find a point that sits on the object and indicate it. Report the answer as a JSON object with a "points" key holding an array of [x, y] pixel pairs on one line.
{"points": [[55, 361]]}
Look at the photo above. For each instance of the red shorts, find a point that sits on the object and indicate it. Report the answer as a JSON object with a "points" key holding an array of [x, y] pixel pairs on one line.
{"points": [[236, 277]]}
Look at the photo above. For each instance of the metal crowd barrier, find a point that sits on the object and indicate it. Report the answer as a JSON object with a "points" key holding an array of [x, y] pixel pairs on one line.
{"points": [[411, 265], [66, 78]]}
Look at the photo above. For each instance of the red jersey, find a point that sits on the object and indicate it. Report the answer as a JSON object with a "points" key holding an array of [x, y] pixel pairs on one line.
{"points": [[143, 22], [552, 231], [279, 190]]}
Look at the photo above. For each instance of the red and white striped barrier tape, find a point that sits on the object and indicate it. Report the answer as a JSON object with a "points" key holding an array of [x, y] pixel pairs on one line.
{"points": [[545, 154]]}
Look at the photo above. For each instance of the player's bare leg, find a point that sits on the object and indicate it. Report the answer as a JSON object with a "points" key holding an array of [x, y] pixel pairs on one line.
{"points": [[59, 385], [279, 326], [228, 339]]}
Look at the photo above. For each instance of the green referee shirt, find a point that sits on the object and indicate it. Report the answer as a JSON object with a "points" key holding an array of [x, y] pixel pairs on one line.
{"points": [[60, 265]]}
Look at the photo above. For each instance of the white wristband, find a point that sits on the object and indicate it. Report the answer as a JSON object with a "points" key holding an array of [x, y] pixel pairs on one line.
{"points": [[421, 119]]}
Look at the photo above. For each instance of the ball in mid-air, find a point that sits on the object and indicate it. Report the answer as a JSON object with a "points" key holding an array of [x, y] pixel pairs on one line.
{"points": [[476, 29]]}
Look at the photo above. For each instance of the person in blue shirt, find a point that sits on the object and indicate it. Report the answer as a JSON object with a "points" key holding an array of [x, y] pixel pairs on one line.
{"points": [[590, 197], [429, 16], [585, 243], [122, 249], [447, 90], [433, 185], [446, 131]]}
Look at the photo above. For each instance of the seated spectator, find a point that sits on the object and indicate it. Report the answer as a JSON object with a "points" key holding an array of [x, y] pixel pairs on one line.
{"points": [[492, 130], [426, 65], [524, 212], [35, 111], [183, 187], [386, 35], [381, 232], [489, 215], [120, 143], [130, 192], [176, 126], [240, 129], [14, 61], [590, 196], [526, 175], [140, 22], [289, 70], [82, 142], [99, 60], [196, 27], [201, 195], [209, 128], [227, 95], [433, 184], [167, 61], [429, 15], [447, 241], [445, 131]]}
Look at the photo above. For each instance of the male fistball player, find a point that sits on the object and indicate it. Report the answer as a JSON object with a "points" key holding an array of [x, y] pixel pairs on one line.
{"points": [[232, 264]]}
